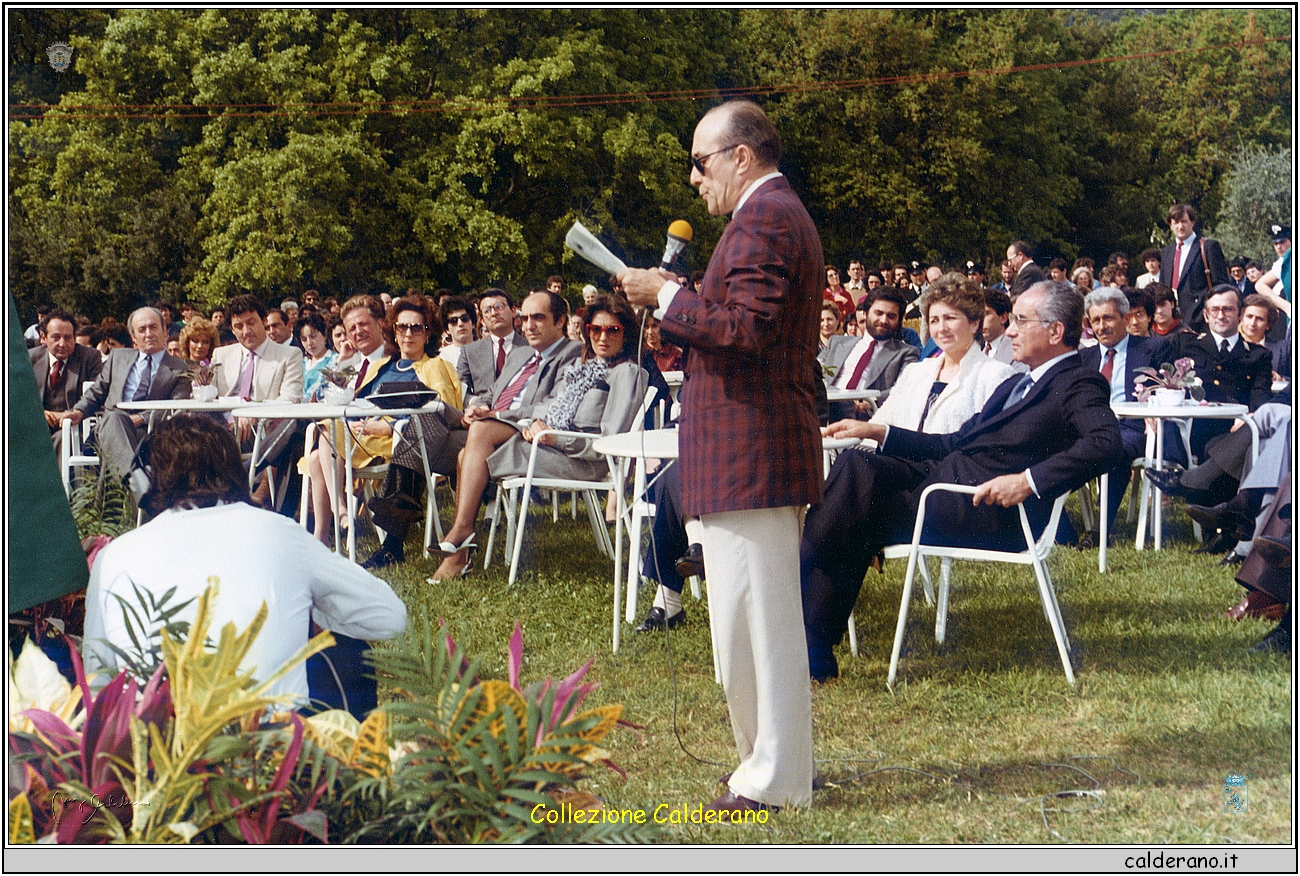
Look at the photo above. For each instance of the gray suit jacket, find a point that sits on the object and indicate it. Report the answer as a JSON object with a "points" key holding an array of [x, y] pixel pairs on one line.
{"points": [[84, 364], [540, 386], [882, 372], [477, 369], [169, 381]]}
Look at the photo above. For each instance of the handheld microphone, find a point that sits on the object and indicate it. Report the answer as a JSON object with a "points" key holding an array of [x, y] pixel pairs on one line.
{"points": [[679, 234]]}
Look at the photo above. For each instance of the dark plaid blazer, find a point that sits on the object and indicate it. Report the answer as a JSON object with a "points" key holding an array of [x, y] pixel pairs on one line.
{"points": [[749, 433]]}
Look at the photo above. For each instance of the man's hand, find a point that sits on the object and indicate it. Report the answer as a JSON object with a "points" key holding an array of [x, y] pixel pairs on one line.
{"points": [[864, 406], [73, 415], [477, 412], [1006, 490], [53, 419], [855, 429], [137, 420], [642, 286], [243, 429]]}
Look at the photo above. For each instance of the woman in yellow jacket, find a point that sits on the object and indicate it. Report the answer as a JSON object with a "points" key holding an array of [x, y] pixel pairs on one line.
{"points": [[414, 325]]}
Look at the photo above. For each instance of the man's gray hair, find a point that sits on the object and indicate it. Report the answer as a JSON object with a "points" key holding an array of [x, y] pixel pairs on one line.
{"points": [[748, 124], [1101, 295], [1061, 303], [130, 320]]}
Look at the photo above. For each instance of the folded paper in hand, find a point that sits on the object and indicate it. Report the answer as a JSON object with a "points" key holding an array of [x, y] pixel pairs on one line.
{"points": [[585, 244]]}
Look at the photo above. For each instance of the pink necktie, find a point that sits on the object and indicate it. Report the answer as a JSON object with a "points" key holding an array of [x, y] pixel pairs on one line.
{"points": [[1178, 263], [516, 386], [245, 390]]}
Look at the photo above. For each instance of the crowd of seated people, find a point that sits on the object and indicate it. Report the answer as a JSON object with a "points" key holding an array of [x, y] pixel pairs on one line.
{"points": [[1006, 386]]}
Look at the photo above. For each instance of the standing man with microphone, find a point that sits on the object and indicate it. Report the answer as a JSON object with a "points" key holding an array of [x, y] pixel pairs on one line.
{"points": [[750, 448]]}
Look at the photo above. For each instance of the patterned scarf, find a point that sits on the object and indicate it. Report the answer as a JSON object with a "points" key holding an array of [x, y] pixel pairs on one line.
{"points": [[580, 377]]}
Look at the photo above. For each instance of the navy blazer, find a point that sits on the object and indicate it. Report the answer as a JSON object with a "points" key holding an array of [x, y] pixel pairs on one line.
{"points": [[1191, 285], [1142, 352], [1063, 431]]}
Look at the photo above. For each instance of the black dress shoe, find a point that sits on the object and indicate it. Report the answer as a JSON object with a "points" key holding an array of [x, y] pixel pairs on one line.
{"points": [[1232, 559], [691, 565], [1165, 481], [654, 620], [1222, 517], [382, 558], [730, 801], [1278, 641], [1215, 543], [395, 512]]}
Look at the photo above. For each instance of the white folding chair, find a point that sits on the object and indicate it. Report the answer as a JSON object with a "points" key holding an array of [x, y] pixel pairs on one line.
{"points": [[71, 455], [516, 508], [1035, 554]]}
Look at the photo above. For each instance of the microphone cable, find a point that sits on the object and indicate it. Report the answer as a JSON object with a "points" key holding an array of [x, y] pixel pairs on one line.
{"points": [[654, 555]]}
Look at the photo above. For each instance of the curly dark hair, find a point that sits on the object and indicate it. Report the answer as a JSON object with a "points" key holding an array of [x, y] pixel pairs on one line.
{"points": [[193, 460], [620, 309]]}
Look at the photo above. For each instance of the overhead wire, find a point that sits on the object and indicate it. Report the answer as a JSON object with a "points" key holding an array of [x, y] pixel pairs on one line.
{"points": [[462, 103]]}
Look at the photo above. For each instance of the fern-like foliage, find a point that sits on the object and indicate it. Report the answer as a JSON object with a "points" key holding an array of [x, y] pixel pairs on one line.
{"points": [[102, 504], [471, 768]]}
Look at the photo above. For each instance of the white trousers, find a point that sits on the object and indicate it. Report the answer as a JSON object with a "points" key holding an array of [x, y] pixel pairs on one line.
{"points": [[751, 563]]}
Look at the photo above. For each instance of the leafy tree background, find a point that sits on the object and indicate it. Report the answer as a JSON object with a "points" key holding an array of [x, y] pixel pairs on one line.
{"points": [[272, 150]]}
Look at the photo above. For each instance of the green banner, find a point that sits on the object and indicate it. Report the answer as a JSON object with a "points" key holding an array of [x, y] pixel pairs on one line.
{"points": [[45, 556]]}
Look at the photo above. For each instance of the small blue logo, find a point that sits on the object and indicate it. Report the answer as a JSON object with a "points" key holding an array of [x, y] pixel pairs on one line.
{"points": [[1236, 797]]}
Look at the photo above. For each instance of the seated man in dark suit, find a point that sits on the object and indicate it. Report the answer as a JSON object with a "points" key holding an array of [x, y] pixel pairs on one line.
{"points": [[481, 361], [1118, 356], [1231, 369], [1039, 435], [527, 380], [873, 360], [62, 366], [146, 373]]}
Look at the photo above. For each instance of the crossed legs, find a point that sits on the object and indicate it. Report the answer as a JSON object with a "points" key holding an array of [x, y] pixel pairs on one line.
{"points": [[484, 437]]}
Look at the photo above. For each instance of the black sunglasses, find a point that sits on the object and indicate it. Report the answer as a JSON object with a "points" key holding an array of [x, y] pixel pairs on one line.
{"points": [[456, 320], [698, 163]]}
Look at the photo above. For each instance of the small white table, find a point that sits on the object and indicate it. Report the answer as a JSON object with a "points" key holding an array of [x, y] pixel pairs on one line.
{"points": [[1182, 415], [357, 410], [221, 405], [836, 395], [660, 444]]}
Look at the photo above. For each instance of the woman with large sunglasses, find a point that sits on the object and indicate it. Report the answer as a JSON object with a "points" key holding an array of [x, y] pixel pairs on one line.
{"points": [[415, 328], [600, 395]]}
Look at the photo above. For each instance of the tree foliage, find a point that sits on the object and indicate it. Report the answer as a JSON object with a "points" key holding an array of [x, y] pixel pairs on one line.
{"points": [[267, 150], [1256, 194]]}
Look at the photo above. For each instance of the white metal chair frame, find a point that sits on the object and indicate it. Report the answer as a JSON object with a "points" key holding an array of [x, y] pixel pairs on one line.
{"points": [[1035, 555], [519, 489]]}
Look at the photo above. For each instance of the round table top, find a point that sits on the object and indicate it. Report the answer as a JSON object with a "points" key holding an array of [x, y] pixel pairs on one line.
{"points": [[834, 394], [319, 411], [1193, 410], [662, 444], [226, 403]]}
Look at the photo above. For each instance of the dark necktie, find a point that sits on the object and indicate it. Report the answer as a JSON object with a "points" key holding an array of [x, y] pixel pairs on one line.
{"points": [[1223, 347], [1108, 367], [861, 366], [1019, 392], [501, 357], [361, 375], [516, 386], [56, 373], [146, 379]]}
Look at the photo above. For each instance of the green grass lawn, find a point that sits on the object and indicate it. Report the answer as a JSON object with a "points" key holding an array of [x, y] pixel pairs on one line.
{"points": [[982, 739]]}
